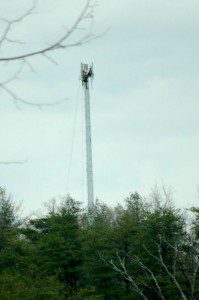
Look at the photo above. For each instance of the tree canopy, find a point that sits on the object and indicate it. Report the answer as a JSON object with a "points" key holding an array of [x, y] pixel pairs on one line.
{"points": [[140, 250]]}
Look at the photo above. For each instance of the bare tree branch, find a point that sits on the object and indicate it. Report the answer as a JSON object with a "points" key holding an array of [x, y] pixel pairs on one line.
{"points": [[183, 261], [61, 43], [13, 162], [123, 271], [172, 276], [144, 267], [87, 13], [11, 23], [18, 100], [181, 257]]}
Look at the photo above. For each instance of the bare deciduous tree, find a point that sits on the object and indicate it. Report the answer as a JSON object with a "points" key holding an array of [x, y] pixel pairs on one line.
{"points": [[59, 44], [184, 262], [121, 269], [66, 40]]}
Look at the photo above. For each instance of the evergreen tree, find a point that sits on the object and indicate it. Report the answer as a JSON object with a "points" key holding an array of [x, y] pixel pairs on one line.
{"points": [[56, 238], [141, 250]]}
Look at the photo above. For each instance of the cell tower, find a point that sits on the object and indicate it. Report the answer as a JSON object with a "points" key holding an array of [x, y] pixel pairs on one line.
{"points": [[87, 75]]}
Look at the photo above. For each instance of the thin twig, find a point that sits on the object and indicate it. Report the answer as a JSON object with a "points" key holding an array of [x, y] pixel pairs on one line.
{"points": [[87, 13], [144, 267], [123, 271], [11, 23], [172, 276], [13, 162]]}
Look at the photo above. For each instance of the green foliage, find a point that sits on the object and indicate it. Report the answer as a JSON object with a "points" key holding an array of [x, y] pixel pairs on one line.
{"points": [[57, 239], [195, 210], [8, 215], [16, 286], [11, 249], [66, 254]]}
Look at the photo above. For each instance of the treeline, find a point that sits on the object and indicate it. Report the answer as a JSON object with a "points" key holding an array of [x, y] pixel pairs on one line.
{"points": [[141, 250]]}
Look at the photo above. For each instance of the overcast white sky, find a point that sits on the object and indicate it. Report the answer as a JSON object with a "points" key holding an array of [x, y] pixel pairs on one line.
{"points": [[144, 103]]}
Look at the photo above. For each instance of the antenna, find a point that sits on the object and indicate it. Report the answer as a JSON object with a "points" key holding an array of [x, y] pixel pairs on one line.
{"points": [[87, 75]]}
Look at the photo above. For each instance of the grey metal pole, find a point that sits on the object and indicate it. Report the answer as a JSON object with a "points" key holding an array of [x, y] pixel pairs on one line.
{"points": [[89, 164], [86, 74]]}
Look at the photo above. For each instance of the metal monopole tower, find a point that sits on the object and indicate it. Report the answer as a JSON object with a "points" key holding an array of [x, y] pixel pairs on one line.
{"points": [[87, 75]]}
